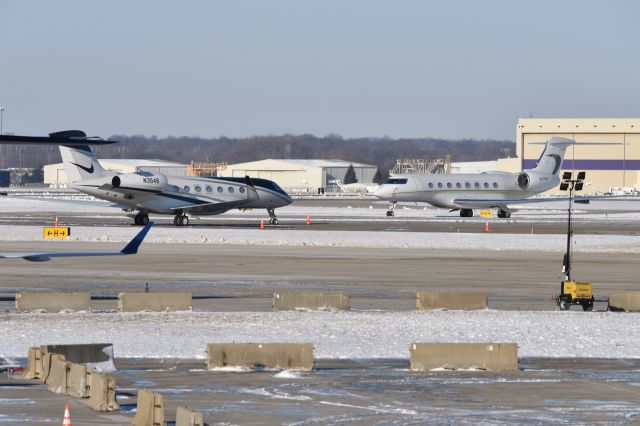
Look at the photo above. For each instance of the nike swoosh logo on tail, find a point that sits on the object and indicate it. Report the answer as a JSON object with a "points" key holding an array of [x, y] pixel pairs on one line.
{"points": [[86, 169]]}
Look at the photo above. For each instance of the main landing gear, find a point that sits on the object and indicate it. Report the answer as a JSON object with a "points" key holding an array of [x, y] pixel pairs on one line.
{"points": [[181, 219], [273, 220], [503, 214], [466, 213], [392, 206], [141, 219]]}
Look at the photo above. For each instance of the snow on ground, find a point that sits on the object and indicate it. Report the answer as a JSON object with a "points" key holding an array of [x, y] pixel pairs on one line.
{"points": [[334, 334], [319, 238]]}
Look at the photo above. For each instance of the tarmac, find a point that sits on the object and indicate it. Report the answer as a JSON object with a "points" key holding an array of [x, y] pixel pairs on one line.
{"points": [[243, 278], [337, 392]]}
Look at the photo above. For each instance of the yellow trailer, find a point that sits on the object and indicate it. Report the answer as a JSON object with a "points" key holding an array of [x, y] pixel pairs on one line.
{"points": [[575, 293]]}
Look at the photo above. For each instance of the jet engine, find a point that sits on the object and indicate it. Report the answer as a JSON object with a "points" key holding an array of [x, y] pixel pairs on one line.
{"points": [[143, 180], [536, 182], [524, 180]]}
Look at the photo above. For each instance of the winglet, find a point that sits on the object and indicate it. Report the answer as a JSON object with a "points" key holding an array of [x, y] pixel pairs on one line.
{"points": [[132, 247]]}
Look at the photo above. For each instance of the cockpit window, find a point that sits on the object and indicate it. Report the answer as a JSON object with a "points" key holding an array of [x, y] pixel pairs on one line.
{"points": [[395, 181]]}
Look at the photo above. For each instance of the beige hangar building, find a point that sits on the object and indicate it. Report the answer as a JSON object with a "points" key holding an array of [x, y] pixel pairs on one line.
{"points": [[54, 174], [295, 175], [614, 164]]}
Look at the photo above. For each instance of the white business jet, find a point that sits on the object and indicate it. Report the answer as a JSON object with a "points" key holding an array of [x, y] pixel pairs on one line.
{"points": [[145, 192], [485, 190], [130, 248]]}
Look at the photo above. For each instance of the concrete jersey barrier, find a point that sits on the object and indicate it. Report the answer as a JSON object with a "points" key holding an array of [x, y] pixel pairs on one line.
{"points": [[467, 300], [78, 380], [285, 356], [629, 301], [53, 302], [98, 355], [34, 364], [158, 302], [102, 393], [149, 409], [57, 378], [455, 356], [310, 300], [187, 417]]}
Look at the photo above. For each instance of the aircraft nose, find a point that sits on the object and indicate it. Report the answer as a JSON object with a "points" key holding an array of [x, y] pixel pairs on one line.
{"points": [[382, 192], [287, 200]]}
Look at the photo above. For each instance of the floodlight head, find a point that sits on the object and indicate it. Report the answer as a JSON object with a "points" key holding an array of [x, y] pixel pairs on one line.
{"points": [[564, 186], [578, 186], [566, 175], [582, 175]]}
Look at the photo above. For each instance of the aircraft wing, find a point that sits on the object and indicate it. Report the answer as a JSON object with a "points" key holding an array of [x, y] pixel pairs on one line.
{"points": [[130, 248], [505, 201], [213, 206]]}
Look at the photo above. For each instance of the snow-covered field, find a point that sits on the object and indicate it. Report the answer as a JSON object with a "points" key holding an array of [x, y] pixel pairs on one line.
{"points": [[320, 238], [334, 334]]}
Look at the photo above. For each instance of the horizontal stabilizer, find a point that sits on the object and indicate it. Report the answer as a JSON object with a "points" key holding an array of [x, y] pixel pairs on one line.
{"points": [[66, 137]]}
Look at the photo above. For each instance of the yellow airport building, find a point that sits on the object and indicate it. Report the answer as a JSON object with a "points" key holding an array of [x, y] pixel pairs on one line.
{"points": [[608, 149]]}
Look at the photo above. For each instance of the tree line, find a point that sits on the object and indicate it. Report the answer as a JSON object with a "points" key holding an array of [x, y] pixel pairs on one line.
{"points": [[381, 152]]}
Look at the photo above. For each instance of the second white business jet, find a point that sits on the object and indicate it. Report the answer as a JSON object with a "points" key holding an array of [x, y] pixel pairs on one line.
{"points": [[485, 190]]}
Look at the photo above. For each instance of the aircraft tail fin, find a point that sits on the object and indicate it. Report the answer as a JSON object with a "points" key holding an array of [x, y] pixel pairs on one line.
{"points": [[80, 163], [550, 161]]}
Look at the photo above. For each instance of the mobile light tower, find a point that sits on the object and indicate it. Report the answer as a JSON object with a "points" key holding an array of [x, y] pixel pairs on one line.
{"points": [[572, 292]]}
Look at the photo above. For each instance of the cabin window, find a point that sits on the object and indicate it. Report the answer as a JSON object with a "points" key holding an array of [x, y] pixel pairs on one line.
{"points": [[231, 190], [477, 185], [495, 184], [198, 188], [448, 184], [220, 189], [209, 189], [439, 184], [467, 185], [486, 184], [395, 181], [430, 184], [186, 188], [458, 185], [241, 189]]}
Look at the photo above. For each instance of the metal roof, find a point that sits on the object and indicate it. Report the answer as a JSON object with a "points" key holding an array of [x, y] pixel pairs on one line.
{"points": [[322, 163]]}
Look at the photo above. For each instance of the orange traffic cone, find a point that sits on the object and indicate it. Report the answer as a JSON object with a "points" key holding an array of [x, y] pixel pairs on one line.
{"points": [[67, 418], [308, 222], [487, 228], [261, 223], [55, 222]]}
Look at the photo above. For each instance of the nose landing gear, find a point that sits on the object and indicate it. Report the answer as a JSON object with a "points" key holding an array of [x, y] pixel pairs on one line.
{"points": [[466, 213], [273, 220], [392, 206]]}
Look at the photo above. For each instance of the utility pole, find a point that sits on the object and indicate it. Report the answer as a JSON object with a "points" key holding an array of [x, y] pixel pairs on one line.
{"points": [[573, 186]]}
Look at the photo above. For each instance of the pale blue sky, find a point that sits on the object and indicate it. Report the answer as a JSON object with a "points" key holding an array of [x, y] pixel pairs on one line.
{"points": [[451, 69]]}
